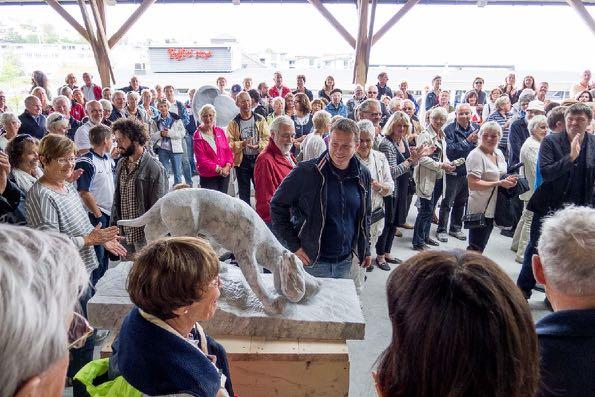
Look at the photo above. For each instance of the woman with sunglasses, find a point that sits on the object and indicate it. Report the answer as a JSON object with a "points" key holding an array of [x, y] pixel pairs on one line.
{"points": [[57, 124], [40, 290], [173, 283]]}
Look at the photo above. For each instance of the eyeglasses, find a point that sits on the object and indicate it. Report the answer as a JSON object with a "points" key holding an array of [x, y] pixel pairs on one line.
{"points": [[373, 92], [374, 114], [216, 282], [479, 82], [78, 332], [64, 161]]}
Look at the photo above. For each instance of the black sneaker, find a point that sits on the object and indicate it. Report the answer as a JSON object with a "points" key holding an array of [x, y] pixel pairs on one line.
{"points": [[420, 248], [394, 261], [370, 268]]}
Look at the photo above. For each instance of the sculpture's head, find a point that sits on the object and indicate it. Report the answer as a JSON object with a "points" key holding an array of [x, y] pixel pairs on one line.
{"points": [[297, 282]]}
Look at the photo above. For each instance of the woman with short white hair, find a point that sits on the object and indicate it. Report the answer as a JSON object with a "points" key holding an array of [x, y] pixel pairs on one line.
{"points": [[313, 144], [382, 186], [529, 152], [40, 290], [278, 105], [429, 177], [485, 165], [133, 111], [57, 124], [107, 108], [9, 128]]}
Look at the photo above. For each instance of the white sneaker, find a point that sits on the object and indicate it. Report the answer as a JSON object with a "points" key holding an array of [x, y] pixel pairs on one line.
{"points": [[442, 237], [460, 235]]}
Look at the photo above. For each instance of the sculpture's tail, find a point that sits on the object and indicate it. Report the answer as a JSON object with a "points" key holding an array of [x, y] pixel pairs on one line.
{"points": [[154, 213]]}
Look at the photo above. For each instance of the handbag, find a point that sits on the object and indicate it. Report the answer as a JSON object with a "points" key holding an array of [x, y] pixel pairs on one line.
{"points": [[476, 221], [377, 215]]}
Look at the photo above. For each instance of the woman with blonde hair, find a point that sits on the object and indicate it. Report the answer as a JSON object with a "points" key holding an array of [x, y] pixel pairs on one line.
{"points": [[56, 123], [313, 144], [214, 158]]}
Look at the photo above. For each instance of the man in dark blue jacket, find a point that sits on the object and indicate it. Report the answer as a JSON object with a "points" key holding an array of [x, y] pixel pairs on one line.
{"points": [[519, 132], [32, 121], [321, 210], [461, 138], [566, 268], [567, 165]]}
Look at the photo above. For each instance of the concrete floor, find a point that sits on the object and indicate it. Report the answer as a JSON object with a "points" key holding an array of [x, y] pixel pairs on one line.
{"points": [[364, 353]]}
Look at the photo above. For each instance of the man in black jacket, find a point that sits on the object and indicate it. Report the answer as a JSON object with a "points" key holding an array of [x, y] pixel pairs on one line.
{"points": [[321, 210], [567, 165], [32, 121], [62, 105]]}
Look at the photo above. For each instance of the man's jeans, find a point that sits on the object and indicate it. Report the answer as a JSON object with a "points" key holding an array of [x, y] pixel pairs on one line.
{"points": [[421, 229], [167, 156], [324, 269], [455, 199], [185, 160], [102, 254], [190, 153], [245, 174], [526, 280]]}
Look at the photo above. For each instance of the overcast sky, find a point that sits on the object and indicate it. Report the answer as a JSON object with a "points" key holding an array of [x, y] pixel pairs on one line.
{"points": [[530, 37]]}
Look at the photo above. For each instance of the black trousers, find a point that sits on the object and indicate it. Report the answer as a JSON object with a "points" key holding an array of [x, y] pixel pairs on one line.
{"points": [[245, 174], [478, 238], [526, 280], [453, 203], [219, 183], [385, 241]]}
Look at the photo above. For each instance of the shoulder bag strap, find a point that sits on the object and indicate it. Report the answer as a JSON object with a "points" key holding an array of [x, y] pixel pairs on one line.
{"points": [[490, 199]]}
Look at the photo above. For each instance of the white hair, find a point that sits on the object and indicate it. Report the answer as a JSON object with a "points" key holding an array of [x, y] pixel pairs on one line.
{"points": [[567, 248], [55, 120], [278, 99], [41, 278], [118, 92], [438, 112], [61, 98], [93, 102], [365, 105], [6, 118], [462, 105], [490, 126], [133, 94], [394, 102], [535, 121], [321, 118], [500, 101], [279, 121], [106, 105], [367, 126]]}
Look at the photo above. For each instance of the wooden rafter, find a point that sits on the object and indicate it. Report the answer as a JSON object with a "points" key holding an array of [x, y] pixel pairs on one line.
{"points": [[102, 43], [361, 47], [71, 21], [129, 22], [333, 21], [579, 7], [391, 22]]}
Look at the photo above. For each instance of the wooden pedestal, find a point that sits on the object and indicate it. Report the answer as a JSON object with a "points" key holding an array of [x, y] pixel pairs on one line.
{"points": [[287, 367]]}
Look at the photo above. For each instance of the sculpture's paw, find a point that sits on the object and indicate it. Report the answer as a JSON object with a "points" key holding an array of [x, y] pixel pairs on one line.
{"points": [[276, 306], [312, 285]]}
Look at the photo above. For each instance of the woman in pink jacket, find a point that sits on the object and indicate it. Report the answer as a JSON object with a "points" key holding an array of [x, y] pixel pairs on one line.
{"points": [[214, 158]]}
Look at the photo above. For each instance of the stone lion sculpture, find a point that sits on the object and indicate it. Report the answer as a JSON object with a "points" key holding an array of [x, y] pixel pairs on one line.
{"points": [[232, 224]]}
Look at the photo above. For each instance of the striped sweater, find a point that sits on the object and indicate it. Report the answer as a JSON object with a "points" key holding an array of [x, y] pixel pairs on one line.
{"points": [[48, 209]]}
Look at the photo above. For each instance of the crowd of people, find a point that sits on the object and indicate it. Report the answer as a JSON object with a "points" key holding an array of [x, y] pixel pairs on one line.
{"points": [[333, 179]]}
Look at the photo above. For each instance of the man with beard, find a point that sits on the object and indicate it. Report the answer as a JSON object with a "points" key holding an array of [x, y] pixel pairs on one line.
{"points": [[61, 104], [273, 165], [140, 180]]}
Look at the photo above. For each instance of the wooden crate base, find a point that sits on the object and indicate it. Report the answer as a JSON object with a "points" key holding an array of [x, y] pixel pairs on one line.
{"points": [[287, 367]]}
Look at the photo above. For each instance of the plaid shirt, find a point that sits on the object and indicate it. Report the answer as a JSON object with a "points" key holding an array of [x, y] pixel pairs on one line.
{"points": [[128, 204]]}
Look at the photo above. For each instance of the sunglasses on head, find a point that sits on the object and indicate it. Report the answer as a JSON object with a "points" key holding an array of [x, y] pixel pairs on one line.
{"points": [[23, 137]]}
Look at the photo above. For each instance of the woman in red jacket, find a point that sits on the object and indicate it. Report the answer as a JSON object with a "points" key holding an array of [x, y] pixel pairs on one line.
{"points": [[214, 158]]}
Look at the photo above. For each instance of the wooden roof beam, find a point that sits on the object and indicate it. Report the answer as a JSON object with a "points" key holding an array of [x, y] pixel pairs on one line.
{"points": [[333, 21], [129, 22], [579, 7], [71, 21], [391, 22]]}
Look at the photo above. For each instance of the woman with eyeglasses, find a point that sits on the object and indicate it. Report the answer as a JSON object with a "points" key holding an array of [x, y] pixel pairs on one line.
{"points": [[53, 204], [174, 284], [41, 278]]}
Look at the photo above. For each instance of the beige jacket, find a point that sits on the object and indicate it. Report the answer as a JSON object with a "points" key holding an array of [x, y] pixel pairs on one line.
{"points": [[429, 170]]}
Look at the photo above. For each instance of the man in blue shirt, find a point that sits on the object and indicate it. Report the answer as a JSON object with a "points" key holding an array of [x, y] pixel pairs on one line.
{"points": [[336, 106], [566, 268], [461, 138], [321, 210]]}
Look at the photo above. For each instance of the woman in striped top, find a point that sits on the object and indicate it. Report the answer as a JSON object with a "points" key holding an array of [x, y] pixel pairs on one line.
{"points": [[503, 117], [54, 204]]}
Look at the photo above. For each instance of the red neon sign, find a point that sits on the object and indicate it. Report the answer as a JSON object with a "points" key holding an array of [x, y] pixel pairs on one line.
{"points": [[179, 54]]}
